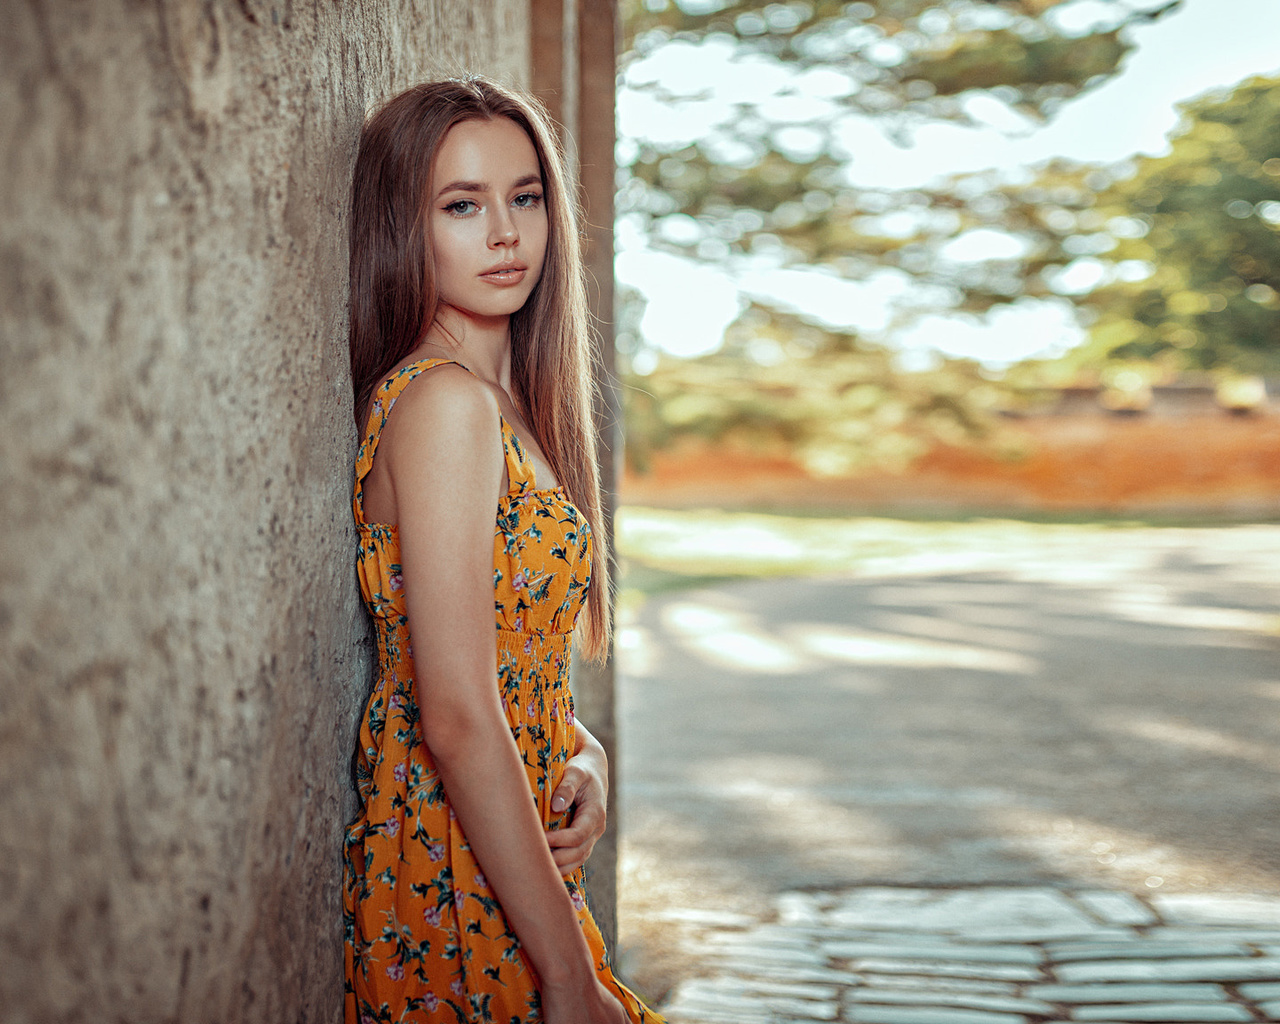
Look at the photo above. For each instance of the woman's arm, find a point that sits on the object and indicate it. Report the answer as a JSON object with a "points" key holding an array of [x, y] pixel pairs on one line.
{"points": [[446, 466], [584, 786]]}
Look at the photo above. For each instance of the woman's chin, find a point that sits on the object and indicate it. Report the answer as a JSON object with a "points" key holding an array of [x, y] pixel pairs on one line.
{"points": [[498, 307]]}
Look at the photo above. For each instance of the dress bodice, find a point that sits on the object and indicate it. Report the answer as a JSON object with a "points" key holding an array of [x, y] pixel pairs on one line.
{"points": [[541, 542]]}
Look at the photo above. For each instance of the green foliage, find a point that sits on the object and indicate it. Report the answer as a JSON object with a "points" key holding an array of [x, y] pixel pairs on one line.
{"points": [[904, 63], [910, 55], [1184, 248], [780, 383], [1205, 218]]}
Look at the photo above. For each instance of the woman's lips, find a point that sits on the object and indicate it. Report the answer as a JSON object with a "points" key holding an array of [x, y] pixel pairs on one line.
{"points": [[505, 273]]}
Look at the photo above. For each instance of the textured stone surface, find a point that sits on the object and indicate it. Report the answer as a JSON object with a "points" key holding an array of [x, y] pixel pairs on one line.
{"points": [[933, 968], [182, 654]]}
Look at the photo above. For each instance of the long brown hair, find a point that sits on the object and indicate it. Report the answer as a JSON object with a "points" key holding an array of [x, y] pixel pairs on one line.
{"points": [[394, 297]]}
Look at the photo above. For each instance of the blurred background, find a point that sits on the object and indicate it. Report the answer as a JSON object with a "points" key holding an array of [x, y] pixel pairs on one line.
{"points": [[948, 334], [1018, 254]]}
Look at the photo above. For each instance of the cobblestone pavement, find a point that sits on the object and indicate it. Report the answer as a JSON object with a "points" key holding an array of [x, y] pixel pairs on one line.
{"points": [[889, 955], [1037, 786]]}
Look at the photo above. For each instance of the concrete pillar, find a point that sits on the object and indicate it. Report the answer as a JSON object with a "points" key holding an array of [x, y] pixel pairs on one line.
{"points": [[574, 67], [182, 653], [554, 66], [597, 87]]}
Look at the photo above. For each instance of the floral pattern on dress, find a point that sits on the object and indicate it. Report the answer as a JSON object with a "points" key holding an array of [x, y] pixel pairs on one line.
{"points": [[426, 939]]}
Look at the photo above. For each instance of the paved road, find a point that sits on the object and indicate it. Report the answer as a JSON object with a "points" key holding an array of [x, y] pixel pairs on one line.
{"points": [[1098, 717]]}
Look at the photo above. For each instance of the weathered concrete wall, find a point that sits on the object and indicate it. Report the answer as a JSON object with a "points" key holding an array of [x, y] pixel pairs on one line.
{"points": [[182, 655]]}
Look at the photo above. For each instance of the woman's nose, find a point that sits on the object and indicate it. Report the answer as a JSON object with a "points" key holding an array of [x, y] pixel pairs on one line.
{"points": [[502, 230]]}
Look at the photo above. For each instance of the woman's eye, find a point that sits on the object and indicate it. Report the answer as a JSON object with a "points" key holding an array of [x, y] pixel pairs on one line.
{"points": [[461, 207], [528, 199]]}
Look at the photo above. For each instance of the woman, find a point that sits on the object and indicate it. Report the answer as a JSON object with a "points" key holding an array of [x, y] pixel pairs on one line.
{"points": [[475, 501]]}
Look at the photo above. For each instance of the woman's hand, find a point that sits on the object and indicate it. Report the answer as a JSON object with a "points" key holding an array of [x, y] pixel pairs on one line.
{"points": [[595, 1005], [584, 786]]}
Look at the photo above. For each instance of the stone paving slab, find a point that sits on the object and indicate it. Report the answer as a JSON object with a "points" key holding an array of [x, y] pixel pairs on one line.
{"points": [[984, 953], [948, 969], [1139, 949], [1138, 992], [916, 940], [1194, 908], [913, 997], [769, 953], [1116, 907], [761, 968], [885, 955], [1207, 969], [792, 989], [947, 986], [1261, 990], [975, 913], [771, 936], [1165, 1013], [1167, 933], [927, 1015]]}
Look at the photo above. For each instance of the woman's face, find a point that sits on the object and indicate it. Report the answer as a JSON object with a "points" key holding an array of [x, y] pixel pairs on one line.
{"points": [[488, 218]]}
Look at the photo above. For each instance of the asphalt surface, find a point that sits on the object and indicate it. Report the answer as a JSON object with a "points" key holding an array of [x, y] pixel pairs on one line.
{"points": [[1100, 716]]}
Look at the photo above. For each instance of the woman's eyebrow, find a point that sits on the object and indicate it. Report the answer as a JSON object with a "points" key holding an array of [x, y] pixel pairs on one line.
{"points": [[464, 186], [483, 186]]}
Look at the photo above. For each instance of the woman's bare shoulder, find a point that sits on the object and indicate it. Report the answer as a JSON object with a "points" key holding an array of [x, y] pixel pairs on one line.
{"points": [[445, 410], [443, 398]]}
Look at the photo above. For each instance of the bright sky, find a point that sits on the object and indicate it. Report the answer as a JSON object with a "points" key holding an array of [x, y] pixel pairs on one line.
{"points": [[1207, 44]]}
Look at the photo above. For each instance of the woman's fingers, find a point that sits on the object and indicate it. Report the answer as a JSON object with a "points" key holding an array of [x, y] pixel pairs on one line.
{"points": [[571, 782], [582, 789], [571, 846]]}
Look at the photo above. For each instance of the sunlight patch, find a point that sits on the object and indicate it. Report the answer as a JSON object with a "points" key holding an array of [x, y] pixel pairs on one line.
{"points": [[864, 648]]}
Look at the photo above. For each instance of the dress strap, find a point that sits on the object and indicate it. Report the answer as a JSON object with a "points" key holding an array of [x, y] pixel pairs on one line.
{"points": [[384, 400], [519, 465]]}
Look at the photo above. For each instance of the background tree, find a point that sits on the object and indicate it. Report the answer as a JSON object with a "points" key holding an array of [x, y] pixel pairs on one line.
{"points": [[1201, 227], [748, 191], [902, 62], [782, 387]]}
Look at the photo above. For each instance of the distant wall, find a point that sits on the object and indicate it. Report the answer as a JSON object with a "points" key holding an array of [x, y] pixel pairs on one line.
{"points": [[182, 655], [1167, 463]]}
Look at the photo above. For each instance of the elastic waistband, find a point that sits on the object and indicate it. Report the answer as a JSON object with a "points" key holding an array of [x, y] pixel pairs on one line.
{"points": [[514, 637]]}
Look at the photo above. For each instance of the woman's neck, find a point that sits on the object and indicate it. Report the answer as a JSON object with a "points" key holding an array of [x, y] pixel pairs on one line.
{"points": [[482, 344]]}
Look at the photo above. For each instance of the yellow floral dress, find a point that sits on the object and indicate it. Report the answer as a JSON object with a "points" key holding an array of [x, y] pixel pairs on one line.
{"points": [[426, 939]]}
